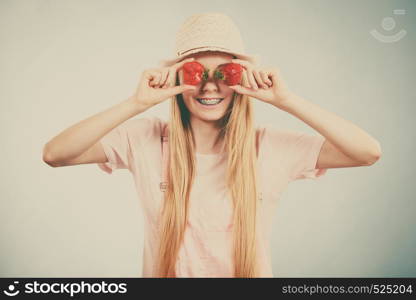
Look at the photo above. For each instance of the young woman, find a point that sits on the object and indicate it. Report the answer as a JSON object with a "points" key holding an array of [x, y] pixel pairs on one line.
{"points": [[208, 179]]}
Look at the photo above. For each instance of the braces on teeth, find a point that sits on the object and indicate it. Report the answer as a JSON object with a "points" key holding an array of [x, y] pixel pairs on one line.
{"points": [[209, 101]]}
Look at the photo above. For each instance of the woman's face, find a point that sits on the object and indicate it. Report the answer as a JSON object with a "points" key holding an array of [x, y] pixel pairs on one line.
{"points": [[210, 88]]}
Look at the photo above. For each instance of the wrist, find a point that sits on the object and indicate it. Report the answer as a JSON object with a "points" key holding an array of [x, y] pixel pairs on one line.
{"points": [[284, 101], [135, 105]]}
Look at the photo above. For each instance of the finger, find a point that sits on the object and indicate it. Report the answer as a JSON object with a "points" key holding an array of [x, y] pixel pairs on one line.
{"points": [[156, 80], [151, 79], [244, 80], [259, 79], [251, 79], [163, 77], [171, 80], [242, 90], [168, 79], [181, 63], [274, 75], [149, 75], [265, 78], [242, 62], [178, 89]]}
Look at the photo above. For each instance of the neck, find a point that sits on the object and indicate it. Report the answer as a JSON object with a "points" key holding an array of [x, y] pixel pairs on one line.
{"points": [[206, 135]]}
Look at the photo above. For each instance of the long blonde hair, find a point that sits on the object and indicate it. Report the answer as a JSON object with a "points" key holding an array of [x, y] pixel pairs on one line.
{"points": [[238, 132]]}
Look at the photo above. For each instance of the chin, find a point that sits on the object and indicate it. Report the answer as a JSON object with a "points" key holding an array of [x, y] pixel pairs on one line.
{"points": [[208, 117]]}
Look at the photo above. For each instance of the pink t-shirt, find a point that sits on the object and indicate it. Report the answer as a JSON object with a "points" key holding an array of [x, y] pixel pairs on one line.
{"points": [[284, 156]]}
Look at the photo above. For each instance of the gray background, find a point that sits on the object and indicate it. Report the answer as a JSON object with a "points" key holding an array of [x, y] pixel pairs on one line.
{"points": [[63, 61]]}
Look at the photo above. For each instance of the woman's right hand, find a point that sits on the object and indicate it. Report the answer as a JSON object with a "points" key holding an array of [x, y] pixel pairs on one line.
{"points": [[157, 85]]}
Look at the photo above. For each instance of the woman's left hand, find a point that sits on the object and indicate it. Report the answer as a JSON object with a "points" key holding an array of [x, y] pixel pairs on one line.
{"points": [[263, 84]]}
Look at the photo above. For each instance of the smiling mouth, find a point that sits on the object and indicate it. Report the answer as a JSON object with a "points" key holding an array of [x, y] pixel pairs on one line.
{"points": [[209, 101]]}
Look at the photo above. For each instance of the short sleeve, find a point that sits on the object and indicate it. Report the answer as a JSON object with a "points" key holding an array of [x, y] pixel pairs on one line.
{"points": [[121, 142], [299, 151]]}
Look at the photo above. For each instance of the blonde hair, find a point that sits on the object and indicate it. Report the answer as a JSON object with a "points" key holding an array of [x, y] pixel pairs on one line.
{"points": [[238, 132]]}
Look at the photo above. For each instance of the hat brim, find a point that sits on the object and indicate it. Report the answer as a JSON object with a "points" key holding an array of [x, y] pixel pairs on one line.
{"points": [[254, 59]]}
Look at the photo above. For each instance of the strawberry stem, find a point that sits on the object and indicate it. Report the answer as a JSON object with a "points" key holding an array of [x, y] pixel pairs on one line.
{"points": [[218, 74], [205, 74]]}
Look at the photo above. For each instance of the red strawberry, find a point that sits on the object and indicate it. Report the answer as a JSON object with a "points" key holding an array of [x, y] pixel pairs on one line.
{"points": [[193, 73], [231, 73]]}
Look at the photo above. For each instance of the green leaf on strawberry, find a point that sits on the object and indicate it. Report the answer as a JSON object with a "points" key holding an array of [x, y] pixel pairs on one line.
{"points": [[231, 73]]}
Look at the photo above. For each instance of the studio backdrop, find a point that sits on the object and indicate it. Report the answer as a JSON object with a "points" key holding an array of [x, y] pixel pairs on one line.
{"points": [[63, 61]]}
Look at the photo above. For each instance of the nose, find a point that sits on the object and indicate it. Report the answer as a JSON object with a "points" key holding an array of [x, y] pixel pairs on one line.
{"points": [[209, 85]]}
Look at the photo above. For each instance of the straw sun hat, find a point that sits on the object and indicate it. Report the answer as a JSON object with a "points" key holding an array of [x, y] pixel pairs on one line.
{"points": [[209, 32]]}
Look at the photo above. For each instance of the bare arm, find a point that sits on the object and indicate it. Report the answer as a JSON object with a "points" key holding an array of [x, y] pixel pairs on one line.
{"points": [[79, 143], [347, 145]]}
